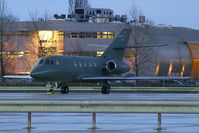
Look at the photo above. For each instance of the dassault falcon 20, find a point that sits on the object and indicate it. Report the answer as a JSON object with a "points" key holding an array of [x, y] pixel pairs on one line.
{"points": [[63, 70]]}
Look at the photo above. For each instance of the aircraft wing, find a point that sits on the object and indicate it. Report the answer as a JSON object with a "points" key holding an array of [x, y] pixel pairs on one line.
{"points": [[17, 77], [135, 78]]}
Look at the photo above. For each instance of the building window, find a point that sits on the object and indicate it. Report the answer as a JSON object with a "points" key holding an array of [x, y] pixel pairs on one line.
{"points": [[16, 54], [99, 53], [22, 34], [97, 35], [61, 35], [74, 35], [45, 35]]}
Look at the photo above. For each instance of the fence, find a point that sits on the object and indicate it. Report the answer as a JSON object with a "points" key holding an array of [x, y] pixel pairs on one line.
{"points": [[94, 107]]}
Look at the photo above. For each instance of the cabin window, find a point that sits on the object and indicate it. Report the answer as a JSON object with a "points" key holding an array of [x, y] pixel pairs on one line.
{"points": [[75, 64], [84, 64], [94, 64], [80, 64], [90, 65]]}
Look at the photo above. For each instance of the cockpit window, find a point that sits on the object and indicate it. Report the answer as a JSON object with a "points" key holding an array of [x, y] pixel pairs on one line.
{"points": [[52, 62], [41, 61], [47, 62]]}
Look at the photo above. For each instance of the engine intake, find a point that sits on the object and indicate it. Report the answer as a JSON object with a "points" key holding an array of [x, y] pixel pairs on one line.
{"points": [[111, 66], [116, 67]]}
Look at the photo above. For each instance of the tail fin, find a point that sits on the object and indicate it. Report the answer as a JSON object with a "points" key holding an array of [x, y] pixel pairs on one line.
{"points": [[117, 48]]}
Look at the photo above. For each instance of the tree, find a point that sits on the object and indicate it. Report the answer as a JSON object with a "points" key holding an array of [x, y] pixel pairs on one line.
{"points": [[34, 26], [7, 27], [37, 29], [77, 4], [143, 60], [71, 6]]}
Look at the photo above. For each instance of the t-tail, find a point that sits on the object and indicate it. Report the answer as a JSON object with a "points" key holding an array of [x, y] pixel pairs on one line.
{"points": [[117, 48]]}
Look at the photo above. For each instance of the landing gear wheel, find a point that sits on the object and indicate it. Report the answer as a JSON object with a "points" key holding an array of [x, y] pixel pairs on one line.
{"points": [[106, 89], [65, 90]]}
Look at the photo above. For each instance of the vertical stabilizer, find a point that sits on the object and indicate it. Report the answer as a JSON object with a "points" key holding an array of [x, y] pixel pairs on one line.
{"points": [[117, 48]]}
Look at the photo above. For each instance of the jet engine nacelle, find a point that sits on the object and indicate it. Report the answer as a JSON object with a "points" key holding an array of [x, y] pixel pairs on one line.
{"points": [[117, 67]]}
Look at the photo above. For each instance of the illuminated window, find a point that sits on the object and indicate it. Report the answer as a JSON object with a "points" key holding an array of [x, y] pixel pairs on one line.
{"points": [[110, 35], [45, 35], [15, 54], [98, 35], [104, 34], [99, 53], [61, 35]]}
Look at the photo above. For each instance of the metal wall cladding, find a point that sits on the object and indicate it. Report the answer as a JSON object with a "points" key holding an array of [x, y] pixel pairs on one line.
{"points": [[175, 58]]}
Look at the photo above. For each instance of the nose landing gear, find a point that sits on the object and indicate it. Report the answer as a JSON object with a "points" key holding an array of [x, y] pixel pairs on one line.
{"points": [[62, 86], [50, 87]]}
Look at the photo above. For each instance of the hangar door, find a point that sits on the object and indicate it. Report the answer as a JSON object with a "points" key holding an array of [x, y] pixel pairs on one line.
{"points": [[194, 50]]}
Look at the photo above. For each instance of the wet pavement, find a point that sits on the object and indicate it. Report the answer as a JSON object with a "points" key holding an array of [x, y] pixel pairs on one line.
{"points": [[106, 122], [101, 97]]}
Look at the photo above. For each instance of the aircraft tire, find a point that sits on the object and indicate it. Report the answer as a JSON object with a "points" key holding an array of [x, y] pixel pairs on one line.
{"points": [[65, 90], [105, 89]]}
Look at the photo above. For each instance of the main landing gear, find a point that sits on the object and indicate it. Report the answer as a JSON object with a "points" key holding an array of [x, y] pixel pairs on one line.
{"points": [[106, 88]]}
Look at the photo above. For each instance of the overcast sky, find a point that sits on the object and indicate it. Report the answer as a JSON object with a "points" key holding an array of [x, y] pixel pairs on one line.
{"points": [[172, 12]]}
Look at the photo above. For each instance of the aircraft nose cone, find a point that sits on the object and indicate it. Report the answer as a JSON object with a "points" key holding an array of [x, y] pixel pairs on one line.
{"points": [[33, 74], [39, 74]]}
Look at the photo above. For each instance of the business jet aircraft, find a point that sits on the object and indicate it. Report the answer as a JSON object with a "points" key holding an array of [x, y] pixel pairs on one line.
{"points": [[64, 69]]}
